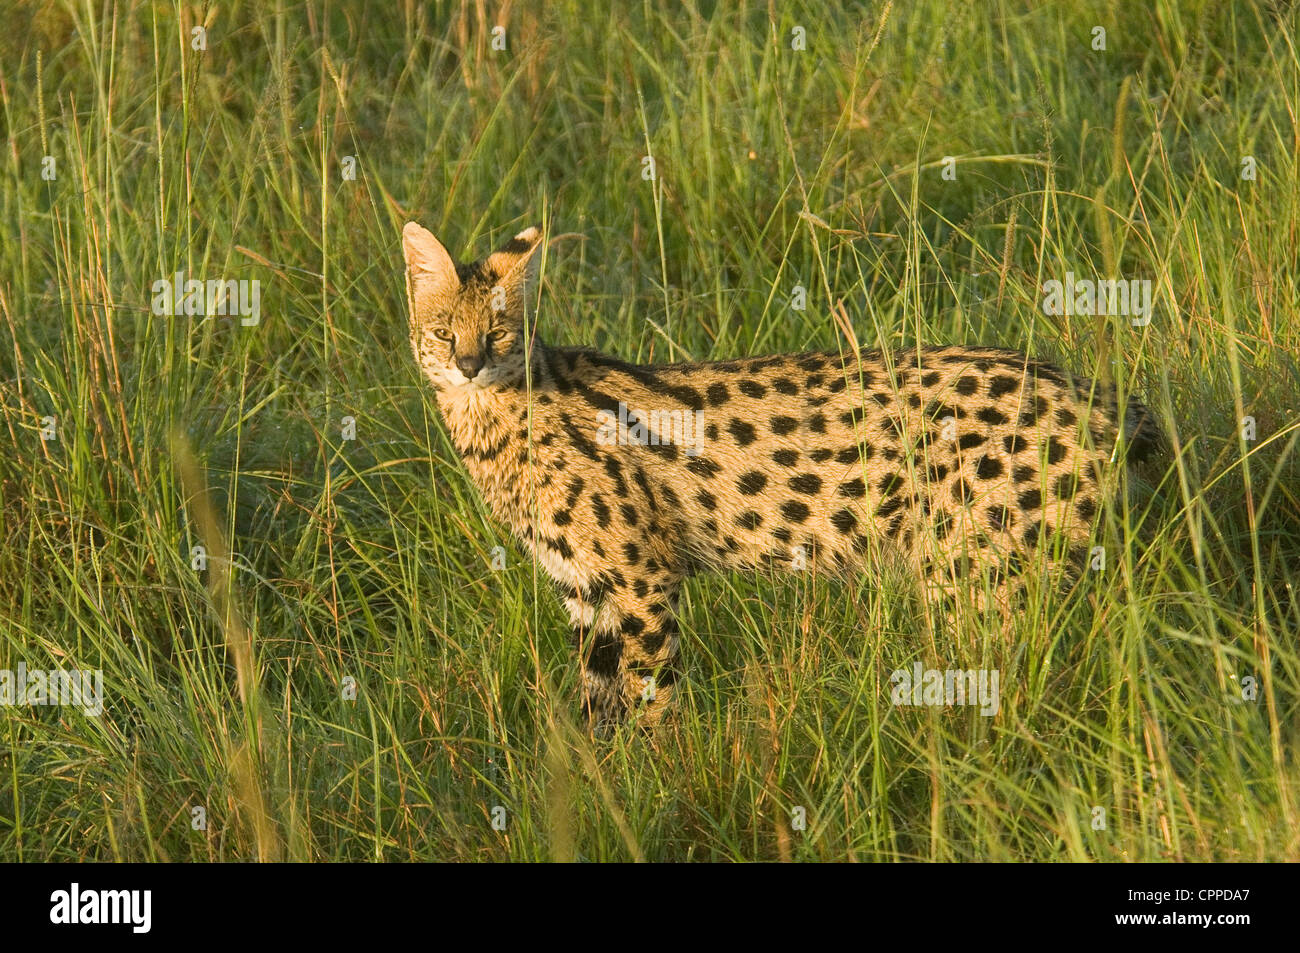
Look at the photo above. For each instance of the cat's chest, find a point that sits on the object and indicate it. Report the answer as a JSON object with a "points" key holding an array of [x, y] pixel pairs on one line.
{"points": [[507, 454]]}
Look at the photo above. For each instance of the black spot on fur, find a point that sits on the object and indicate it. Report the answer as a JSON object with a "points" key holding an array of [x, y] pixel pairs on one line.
{"points": [[605, 650], [653, 641], [937, 410], [641, 481], [1000, 518], [702, 467], [806, 483], [1067, 485], [578, 438], [1001, 385], [615, 470], [795, 511], [560, 544], [890, 506], [782, 425], [752, 482], [1055, 450], [661, 445], [844, 521], [654, 381], [890, 484], [742, 431]]}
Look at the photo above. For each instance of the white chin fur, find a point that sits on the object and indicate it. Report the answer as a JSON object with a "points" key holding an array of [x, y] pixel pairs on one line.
{"points": [[453, 378]]}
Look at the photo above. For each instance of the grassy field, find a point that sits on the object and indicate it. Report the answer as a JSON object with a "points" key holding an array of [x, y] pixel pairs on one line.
{"points": [[349, 678]]}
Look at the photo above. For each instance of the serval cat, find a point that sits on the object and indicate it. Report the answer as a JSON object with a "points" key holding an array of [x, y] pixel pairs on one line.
{"points": [[622, 480]]}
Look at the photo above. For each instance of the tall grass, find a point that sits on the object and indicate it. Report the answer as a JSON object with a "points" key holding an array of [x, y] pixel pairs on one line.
{"points": [[348, 678]]}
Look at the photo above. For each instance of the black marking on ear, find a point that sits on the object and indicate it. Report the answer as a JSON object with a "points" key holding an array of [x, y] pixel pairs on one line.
{"points": [[517, 246]]}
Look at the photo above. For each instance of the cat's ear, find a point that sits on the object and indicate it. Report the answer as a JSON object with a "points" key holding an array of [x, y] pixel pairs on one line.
{"points": [[429, 269], [514, 266], [515, 254], [514, 259]]}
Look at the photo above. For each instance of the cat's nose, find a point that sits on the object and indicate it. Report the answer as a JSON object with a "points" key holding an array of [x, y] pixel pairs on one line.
{"points": [[469, 366]]}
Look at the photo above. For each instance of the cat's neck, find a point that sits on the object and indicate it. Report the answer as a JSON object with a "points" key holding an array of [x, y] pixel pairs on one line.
{"points": [[489, 426]]}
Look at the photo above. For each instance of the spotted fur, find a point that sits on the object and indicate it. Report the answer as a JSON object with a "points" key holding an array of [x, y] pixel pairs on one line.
{"points": [[963, 462]]}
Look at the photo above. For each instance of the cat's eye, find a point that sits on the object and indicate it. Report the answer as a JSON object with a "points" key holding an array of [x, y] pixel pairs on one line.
{"points": [[496, 334], [442, 334]]}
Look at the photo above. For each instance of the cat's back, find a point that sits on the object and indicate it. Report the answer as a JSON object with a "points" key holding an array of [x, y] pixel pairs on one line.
{"points": [[738, 462]]}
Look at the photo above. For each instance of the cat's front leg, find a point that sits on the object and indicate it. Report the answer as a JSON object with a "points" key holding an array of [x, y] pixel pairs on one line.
{"points": [[627, 646]]}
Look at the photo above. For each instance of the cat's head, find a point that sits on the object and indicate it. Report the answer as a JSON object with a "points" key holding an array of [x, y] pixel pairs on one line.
{"points": [[467, 321]]}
